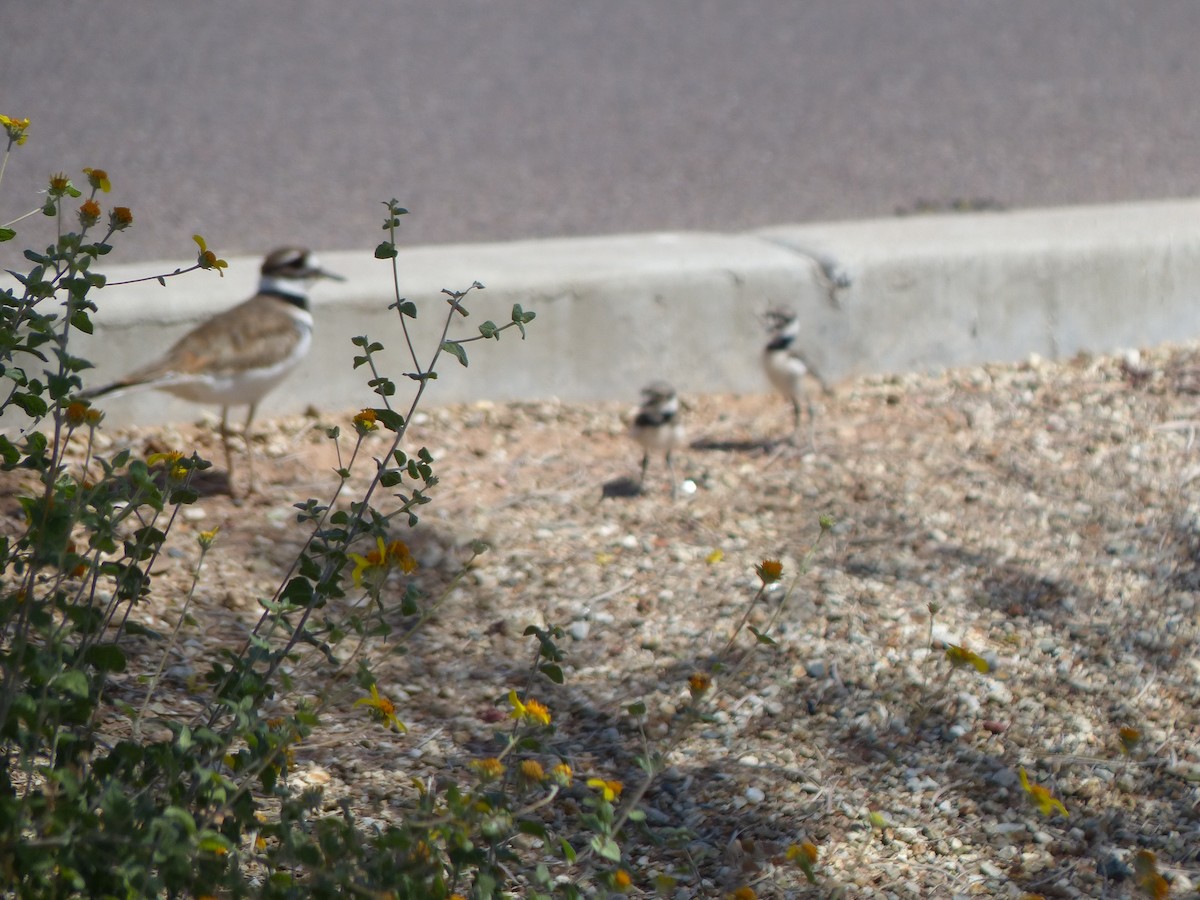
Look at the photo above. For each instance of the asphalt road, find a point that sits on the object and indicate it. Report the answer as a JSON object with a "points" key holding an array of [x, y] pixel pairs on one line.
{"points": [[260, 123]]}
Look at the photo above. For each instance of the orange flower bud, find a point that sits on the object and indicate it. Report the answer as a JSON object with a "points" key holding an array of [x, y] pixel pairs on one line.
{"points": [[89, 213]]}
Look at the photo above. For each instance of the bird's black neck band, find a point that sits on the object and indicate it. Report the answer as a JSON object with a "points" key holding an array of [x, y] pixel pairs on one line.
{"points": [[297, 300]]}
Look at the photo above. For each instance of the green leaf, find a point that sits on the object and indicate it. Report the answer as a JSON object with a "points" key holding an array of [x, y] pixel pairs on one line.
{"points": [[72, 682], [106, 657], [606, 847], [532, 827], [568, 851], [9, 452], [7, 234], [180, 817], [636, 709], [298, 591], [761, 637], [390, 419], [384, 387], [385, 250], [520, 317], [213, 842], [553, 672], [34, 406], [455, 350], [488, 329], [81, 322]]}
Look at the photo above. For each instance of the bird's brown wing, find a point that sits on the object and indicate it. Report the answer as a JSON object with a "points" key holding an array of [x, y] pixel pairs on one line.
{"points": [[253, 334]]}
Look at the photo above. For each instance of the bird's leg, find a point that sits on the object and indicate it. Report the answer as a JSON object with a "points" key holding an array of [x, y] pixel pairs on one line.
{"points": [[249, 449], [225, 446], [812, 426], [797, 420], [671, 471], [645, 463]]}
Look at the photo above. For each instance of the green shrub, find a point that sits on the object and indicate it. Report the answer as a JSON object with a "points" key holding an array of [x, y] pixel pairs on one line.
{"points": [[105, 798]]}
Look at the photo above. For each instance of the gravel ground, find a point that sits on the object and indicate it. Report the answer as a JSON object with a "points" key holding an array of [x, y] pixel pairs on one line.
{"points": [[1045, 513]]}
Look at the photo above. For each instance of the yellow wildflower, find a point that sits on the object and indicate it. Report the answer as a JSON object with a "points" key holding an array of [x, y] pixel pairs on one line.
{"points": [[382, 709], [699, 684], [119, 218], [1147, 877], [488, 769], [743, 893], [530, 711], [609, 790], [805, 856], [366, 421], [366, 565], [769, 571], [98, 179], [1130, 738], [60, 185], [89, 213], [562, 774], [207, 259], [206, 539], [621, 880], [715, 557], [15, 129], [1045, 801], [171, 461], [961, 656], [376, 565], [420, 852], [399, 555], [76, 413], [531, 770]]}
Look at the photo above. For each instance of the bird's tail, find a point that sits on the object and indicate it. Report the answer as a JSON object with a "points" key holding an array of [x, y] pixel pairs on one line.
{"points": [[116, 388]]}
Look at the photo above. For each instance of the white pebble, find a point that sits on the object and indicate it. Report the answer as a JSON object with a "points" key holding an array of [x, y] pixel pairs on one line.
{"points": [[579, 630]]}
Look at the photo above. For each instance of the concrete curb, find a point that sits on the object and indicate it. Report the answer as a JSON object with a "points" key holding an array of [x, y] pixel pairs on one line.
{"points": [[615, 312]]}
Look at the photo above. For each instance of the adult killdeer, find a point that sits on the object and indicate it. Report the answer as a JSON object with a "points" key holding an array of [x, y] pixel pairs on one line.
{"points": [[786, 368], [237, 356], [656, 427]]}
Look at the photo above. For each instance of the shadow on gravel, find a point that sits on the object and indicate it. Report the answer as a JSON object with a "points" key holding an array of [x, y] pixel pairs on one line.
{"points": [[764, 445]]}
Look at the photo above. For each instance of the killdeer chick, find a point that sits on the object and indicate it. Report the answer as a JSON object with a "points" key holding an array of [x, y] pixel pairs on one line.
{"points": [[237, 356], [657, 427], [787, 370]]}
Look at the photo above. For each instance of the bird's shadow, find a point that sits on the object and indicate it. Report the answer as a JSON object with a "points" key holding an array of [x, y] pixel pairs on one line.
{"points": [[620, 488], [210, 482], [748, 445]]}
